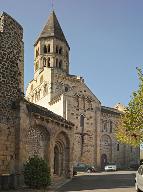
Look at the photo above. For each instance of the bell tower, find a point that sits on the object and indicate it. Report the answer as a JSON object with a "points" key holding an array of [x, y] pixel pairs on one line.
{"points": [[51, 60], [51, 50]]}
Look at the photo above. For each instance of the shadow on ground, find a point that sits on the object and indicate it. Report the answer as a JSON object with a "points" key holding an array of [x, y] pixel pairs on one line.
{"points": [[106, 181]]}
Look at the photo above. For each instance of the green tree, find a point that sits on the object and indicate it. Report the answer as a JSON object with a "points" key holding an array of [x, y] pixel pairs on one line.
{"points": [[130, 126], [36, 173]]}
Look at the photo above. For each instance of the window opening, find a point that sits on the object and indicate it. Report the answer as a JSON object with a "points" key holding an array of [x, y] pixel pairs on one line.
{"points": [[45, 49], [49, 48]]}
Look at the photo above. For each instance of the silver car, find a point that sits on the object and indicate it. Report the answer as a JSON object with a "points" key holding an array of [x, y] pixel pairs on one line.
{"points": [[139, 179], [110, 167]]}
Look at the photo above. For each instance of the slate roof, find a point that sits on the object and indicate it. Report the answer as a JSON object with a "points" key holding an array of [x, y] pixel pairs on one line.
{"points": [[45, 112], [53, 29]]}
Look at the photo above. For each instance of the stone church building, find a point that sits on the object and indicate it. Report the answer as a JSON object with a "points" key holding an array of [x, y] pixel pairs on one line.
{"points": [[54, 88], [60, 119], [26, 129]]}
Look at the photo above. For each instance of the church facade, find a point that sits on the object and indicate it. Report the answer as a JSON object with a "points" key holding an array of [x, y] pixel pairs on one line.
{"points": [[54, 88]]}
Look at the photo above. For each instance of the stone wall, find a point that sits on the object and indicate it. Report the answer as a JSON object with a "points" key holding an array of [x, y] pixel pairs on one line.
{"points": [[119, 153], [41, 131], [11, 84]]}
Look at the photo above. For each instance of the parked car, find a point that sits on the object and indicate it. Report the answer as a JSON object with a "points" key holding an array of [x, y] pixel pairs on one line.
{"points": [[139, 179], [82, 167], [110, 167]]}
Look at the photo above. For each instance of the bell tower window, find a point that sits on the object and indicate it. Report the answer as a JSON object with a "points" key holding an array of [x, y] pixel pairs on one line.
{"points": [[49, 48], [45, 49]]}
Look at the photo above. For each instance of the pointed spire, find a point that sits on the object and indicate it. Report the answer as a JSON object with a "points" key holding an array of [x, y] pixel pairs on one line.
{"points": [[53, 29]]}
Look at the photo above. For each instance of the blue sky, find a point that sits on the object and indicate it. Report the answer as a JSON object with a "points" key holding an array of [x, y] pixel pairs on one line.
{"points": [[105, 37]]}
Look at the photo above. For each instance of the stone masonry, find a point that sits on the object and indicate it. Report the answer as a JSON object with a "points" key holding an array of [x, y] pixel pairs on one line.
{"points": [[11, 83]]}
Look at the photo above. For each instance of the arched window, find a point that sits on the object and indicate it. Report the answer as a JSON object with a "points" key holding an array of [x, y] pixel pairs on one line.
{"points": [[48, 61], [60, 50], [44, 62], [57, 49], [106, 140], [60, 64], [45, 49], [41, 79], [82, 121], [48, 48], [57, 62]]}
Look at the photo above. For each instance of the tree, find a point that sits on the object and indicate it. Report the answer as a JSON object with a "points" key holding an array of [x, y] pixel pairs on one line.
{"points": [[130, 126], [36, 173]]}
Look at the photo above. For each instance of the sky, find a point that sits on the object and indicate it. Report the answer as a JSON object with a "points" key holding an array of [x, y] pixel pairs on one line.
{"points": [[105, 38]]}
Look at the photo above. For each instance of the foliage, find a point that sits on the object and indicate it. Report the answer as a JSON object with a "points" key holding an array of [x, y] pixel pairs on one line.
{"points": [[36, 173], [130, 127]]}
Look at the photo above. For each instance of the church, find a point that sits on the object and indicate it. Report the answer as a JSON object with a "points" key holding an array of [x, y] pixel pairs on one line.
{"points": [[67, 95], [59, 118]]}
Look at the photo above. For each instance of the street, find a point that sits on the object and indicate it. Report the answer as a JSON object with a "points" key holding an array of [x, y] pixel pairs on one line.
{"points": [[120, 181]]}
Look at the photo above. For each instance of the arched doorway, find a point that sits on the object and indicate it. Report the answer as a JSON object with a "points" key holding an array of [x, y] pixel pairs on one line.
{"points": [[61, 155], [103, 160], [105, 150]]}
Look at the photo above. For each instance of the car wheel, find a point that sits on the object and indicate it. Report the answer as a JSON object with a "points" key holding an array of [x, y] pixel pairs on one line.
{"points": [[136, 187]]}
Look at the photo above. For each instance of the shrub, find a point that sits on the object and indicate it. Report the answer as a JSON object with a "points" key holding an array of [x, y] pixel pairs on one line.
{"points": [[36, 173]]}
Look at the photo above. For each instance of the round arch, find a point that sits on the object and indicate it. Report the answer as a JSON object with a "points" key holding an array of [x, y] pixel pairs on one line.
{"points": [[62, 154]]}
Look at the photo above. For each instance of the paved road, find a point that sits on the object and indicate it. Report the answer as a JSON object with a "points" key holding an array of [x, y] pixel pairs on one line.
{"points": [[120, 181]]}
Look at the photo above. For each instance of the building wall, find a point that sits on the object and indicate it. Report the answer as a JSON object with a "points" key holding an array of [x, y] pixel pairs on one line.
{"points": [[121, 154], [11, 82]]}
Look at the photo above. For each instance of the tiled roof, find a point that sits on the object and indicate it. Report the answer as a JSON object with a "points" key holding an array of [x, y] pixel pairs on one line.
{"points": [[53, 29], [45, 112]]}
